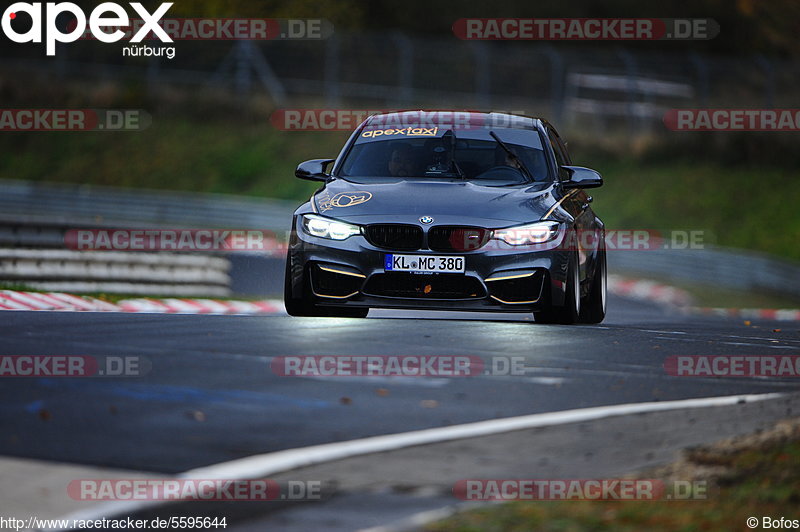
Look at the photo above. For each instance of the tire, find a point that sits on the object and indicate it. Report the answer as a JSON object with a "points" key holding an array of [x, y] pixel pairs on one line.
{"points": [[593, 308], [305, 307], [295, 306], [569, 313]]}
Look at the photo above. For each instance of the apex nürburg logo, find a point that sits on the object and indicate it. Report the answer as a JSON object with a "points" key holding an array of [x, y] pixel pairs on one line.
{"points": [[106, 15]]}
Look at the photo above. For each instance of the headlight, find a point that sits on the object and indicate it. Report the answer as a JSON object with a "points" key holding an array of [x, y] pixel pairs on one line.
{"points": [[328, 227], [521, 235]]}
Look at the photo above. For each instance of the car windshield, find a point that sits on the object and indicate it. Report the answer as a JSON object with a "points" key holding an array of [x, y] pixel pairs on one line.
{"points": [[433, 152]]}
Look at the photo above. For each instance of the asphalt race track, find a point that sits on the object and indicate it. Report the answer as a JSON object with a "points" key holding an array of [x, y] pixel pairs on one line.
{"points": [[211, 396]]}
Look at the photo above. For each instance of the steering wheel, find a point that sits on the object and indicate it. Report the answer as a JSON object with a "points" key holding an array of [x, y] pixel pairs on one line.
{"points": [[500, 169]]}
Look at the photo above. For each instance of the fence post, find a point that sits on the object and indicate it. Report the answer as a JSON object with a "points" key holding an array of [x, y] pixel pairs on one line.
{"points": [[701, 67], [153, 67], [242, 78], [405, 69], [332, 88], [265, 74], [631, 71], [61, 60], [769, 84], [556, 81], [482, 74]]}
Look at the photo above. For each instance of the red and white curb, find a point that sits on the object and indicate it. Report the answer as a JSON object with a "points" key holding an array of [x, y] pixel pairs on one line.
{"points": [[630, 288], [649, 291], [58, 301], [751, 313], [682, 300]]}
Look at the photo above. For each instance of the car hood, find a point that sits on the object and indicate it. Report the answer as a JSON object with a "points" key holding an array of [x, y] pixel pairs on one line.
{"points": [[446, 201]]}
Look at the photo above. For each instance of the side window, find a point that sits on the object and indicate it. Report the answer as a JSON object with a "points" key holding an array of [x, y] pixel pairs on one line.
{"points": [[562, 158]]}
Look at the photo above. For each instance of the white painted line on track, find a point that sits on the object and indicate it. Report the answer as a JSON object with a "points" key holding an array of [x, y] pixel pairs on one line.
{"points": [[547, 381], [260, 465], [263, 465]]}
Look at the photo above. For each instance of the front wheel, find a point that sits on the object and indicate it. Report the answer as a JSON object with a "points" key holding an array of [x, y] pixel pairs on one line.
{"points": [[295, 306], [570, 312], [593, 308], [305, 307]]}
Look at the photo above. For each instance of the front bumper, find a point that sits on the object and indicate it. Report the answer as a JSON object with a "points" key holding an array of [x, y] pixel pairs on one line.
{"points": [[497, 277]]}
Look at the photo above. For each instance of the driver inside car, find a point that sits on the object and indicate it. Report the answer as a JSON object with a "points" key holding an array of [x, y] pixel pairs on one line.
{"points": [[401, 162], [503, 158]]}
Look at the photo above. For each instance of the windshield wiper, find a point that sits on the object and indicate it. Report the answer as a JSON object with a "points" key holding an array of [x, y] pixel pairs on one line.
{"points": [[459, 172], [513, 156]]}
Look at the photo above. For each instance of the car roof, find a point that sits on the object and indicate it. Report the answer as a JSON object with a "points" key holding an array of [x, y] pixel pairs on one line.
{"points": [[414, 116]]}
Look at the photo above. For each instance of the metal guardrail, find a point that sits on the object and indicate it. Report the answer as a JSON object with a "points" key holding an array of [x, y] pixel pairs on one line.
{"points": [[131, 273], [40, 231], [38, 215], [638, 99], [34, 218], [83, 204], [715, 266]]}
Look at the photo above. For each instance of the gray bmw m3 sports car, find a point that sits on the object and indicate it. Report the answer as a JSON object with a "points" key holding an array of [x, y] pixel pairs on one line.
{"points": [[449, 211]]}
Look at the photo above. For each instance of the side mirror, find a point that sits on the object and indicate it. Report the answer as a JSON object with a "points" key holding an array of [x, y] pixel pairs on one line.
{"points": [[313, 170], [580, 177]]}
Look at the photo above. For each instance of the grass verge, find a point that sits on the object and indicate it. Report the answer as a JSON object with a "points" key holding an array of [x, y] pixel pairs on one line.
{"points": [[752, 476]]}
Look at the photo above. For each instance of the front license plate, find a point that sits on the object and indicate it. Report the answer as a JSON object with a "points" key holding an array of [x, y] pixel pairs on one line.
{"points": [[423, 263]]}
